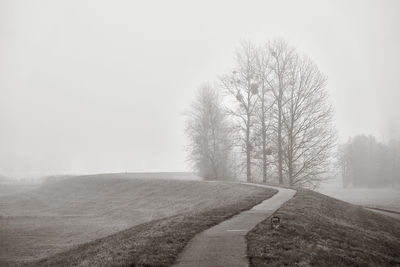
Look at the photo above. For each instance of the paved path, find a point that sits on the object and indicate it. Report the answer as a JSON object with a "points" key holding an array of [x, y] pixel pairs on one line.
{"points": [[225, 244]]}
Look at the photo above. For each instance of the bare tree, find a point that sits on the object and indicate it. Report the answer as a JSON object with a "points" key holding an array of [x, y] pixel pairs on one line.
{"points": [[280, 63], [307, 120], [265, 105], [208, 131], [242, 87]]}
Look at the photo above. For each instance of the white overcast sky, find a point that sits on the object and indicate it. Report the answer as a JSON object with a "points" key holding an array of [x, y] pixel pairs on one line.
{"points": [[99, 86]]}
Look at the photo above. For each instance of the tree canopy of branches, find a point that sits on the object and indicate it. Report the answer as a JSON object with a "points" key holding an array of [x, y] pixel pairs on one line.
{"points": [[309, 137], [281, 105], [207, 129], [365, 162], [280, 113], [241, 85]]}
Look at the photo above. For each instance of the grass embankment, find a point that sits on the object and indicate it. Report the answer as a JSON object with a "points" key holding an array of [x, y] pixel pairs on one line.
{"points": [[156, 243], [10, 189], [66, 214], [321, 231]]}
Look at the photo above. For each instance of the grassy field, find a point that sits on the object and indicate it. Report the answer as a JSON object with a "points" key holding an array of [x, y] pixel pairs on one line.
{"points": [[10, 188], [63, 214], [318, 230]]}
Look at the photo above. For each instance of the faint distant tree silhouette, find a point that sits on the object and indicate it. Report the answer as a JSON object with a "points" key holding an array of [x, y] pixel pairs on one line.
{"points": [[366, 162], [208, 131]]}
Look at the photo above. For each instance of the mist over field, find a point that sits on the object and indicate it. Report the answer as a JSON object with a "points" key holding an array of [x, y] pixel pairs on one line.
{"points": [[90, 87]]}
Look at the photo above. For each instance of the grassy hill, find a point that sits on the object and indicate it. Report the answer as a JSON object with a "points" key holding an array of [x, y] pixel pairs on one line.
{"points": [[117, 219], [134, 175], [13, 188], [318, 230], [62, 214]]}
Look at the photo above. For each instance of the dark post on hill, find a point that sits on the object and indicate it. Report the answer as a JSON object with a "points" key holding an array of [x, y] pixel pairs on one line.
{"points": [[275, 222]]}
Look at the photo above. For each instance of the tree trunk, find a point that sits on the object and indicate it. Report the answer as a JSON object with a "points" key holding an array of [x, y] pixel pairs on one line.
{"points": [[248, 150], [280, 172], [264, 142], [290, 165], [280, 156], [290, 156]]}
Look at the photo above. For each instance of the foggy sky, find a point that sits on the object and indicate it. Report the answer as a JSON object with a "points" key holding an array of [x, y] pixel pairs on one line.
{"points": [[99, 86]]}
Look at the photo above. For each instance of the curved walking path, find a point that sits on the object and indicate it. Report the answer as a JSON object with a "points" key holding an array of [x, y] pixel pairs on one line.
{"points": [[225, 244]]}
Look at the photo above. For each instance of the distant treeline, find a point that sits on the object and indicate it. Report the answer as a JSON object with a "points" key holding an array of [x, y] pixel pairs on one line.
{"points": [[366, 162]]}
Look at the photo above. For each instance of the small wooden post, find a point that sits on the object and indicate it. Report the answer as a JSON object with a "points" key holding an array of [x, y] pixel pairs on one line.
{"points": [[275, 222]]}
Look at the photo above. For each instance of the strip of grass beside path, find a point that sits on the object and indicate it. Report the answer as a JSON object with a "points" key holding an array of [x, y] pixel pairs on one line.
{"points": [[156, 243], [319, 230]]}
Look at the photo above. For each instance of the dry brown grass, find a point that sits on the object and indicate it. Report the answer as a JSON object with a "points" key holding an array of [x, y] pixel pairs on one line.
{"points": [[156, 243], [321, 231], [63, 214], [10, 188]]}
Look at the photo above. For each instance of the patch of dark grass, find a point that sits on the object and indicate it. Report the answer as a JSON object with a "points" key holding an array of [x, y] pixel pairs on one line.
{"points": [[317, 230], [156, 243]]}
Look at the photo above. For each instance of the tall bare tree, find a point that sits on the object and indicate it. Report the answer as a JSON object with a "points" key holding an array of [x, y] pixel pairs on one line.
{"points": [[264, 108], [280, 63], [208, 131], [307, 121], [242, 87]]}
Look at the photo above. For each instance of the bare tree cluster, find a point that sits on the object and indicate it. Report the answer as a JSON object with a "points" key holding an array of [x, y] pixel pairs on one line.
{"points": [[365, 162], [207, 128], [280, 113]]}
